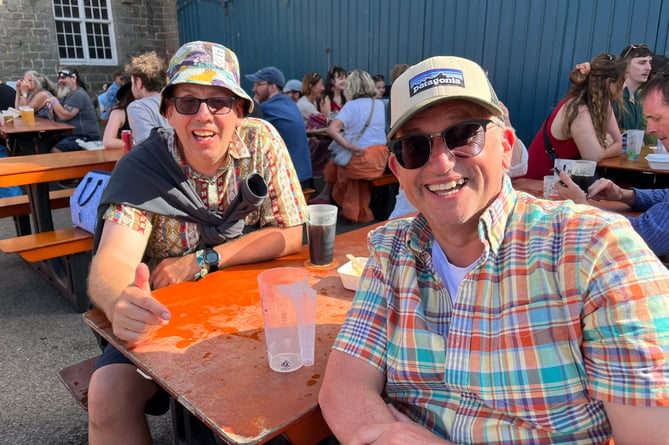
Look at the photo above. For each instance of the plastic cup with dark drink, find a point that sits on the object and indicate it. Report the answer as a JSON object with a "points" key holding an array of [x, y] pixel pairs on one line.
{"points": [[321, 228], [581, 171]]}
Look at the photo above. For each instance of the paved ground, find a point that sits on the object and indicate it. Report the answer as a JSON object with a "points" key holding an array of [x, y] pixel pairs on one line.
{"points": [[40, 334]]}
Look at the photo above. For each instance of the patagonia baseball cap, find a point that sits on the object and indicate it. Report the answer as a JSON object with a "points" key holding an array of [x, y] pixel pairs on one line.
{"points": [[205, 63], [269, 74], [437, 79]]}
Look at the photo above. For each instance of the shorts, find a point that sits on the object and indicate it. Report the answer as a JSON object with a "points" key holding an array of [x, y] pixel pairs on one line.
{"points": [[69, 143], [159, 403]]}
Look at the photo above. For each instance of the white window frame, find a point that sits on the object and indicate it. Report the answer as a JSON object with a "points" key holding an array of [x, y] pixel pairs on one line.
{"points": [[82, 20]]}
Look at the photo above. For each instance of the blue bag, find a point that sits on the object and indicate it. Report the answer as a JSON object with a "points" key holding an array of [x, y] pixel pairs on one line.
{"points": [[86, 198]]}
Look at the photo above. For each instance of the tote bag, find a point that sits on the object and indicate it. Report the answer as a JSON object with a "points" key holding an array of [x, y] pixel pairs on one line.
{"points": [[86, 198]]}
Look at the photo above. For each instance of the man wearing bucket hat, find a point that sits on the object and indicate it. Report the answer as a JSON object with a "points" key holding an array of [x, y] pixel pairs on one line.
{"points": [[493, 316], [183, 202]]}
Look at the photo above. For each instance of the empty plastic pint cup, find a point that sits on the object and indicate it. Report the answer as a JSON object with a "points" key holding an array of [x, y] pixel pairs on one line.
{"points": [[289, 316], [321, 228], [634, 144], [27, 115], [549, 186]]}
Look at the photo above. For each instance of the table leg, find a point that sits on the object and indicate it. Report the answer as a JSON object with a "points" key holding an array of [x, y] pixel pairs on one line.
{"points": [[22, 225], [38, 195], [188, 429]]}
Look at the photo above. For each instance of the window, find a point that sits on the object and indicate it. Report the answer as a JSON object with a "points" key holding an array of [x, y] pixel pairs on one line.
{"points": [[84, 32]]}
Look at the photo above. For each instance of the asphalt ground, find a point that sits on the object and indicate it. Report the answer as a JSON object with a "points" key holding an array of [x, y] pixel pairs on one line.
{"points": [[40, 333]]}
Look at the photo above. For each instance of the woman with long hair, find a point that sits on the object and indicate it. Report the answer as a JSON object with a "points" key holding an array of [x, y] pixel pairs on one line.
{"points": [[312, 88], [118, 118], [359, 130], [333, 97], [583, 125], [34, 90]]}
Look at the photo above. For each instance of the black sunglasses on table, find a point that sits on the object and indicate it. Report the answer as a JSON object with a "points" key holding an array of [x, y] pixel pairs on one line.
{"points": [[464, 140], [191, 105]]}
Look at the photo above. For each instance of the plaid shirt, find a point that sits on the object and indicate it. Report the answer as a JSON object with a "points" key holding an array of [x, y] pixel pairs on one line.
{"points": [[566, 308], [255, 147]]}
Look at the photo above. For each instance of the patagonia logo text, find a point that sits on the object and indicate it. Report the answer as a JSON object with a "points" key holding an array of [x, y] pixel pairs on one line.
{"points": [[435, 78]]}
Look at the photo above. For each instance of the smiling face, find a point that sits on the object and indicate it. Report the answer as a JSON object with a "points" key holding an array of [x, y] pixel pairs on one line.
{"points": [[452, 192], [657, 113], [204, 137]]}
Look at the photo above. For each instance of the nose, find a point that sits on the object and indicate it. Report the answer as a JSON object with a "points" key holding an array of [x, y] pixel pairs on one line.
{"points": [[203, 111], [442, 158]]}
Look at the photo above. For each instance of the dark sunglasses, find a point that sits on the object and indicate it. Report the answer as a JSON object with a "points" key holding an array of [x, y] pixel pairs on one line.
{"points": [[464, 140], [633, 47], [64, 74], [191, 105]]}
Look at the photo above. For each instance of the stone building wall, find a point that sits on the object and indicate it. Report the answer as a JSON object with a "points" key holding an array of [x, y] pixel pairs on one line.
{"points": [[28, 37]]}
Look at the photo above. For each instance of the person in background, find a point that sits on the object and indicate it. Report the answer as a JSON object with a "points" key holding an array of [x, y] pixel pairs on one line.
{"points": [[583, 125], [7, 96], [282, 112], [293, 89], [147, 75], [658, 64], [73, 106], [140, 245], [333, 97], [359, 128], [107, 99], [380, 85], [34, 91], [118, 119], [653, 223], [494, 316], [312, 87]]}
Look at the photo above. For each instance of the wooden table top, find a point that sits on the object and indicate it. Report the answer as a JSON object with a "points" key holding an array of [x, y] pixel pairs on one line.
{"points": [[212, 356], [535, 187], [40, 125], [623, 163], [31, 169]]}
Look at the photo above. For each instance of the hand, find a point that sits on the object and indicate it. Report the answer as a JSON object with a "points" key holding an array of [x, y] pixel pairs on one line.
{"points": [[605, 189], [174, 270], [403, 431], [136, 312], [357, 151], [567, 189]]}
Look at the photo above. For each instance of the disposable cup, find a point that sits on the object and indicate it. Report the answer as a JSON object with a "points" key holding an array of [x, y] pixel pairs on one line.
{"points": [[321, 229], [634, 144], [289, 316], [550, 191], [28, 115]]}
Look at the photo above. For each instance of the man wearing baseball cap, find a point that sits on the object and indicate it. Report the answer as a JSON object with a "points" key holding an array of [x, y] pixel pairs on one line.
{"points": [[282, 112], [178, 206], [493, 316], [293, 89]]}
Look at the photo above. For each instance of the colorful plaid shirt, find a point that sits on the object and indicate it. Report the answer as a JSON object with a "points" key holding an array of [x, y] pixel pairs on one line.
{"points": [[256, 147], [566, 308]]}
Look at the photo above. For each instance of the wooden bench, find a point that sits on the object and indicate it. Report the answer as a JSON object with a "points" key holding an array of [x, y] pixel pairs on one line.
{"points": [[307, 193], [47, 245], [19, 205], [76, 379], [384, 179]]}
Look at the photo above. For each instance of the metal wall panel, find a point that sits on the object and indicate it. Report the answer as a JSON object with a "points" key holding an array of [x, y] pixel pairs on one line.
{"points": [[528, 47]]}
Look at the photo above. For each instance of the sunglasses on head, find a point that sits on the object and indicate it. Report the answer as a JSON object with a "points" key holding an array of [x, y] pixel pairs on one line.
{"points": [[633, 47], [463, 140], [64, 74], [191, 105]]}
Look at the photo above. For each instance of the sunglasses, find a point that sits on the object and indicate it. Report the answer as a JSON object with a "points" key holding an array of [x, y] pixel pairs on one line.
{"points": [[463, 140], [64, 74], [633, 47], [191, 105]]}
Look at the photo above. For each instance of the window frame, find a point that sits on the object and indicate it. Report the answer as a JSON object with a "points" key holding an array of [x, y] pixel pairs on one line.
{"points": [[83, 21]]}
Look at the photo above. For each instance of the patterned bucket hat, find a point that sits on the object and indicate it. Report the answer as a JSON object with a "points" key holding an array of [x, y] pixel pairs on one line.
{"points": [[205, 63]]}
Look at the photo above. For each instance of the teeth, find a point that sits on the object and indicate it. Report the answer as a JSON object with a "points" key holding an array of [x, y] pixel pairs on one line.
{"points": [[446, 186], [203, 133]]}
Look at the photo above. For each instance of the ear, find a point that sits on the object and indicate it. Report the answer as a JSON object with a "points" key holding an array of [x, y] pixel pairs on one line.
{"points": [[508, 140], [239, 110], [394, 166]]}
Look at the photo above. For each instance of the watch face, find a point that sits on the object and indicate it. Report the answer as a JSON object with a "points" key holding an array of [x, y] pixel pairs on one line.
{"points": [[211, 257]]}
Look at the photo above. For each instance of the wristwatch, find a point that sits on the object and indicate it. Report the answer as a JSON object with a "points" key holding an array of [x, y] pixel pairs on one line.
{"points": [[207, 260]]}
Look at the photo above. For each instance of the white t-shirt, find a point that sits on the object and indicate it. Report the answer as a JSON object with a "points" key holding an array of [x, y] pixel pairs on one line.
{"points": [[451, 275], [354, 114], [306, 108]]}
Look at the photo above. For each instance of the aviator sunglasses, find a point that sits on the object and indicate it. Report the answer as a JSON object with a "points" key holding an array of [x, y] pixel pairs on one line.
{"points": [[191, 105], [463, 140]]}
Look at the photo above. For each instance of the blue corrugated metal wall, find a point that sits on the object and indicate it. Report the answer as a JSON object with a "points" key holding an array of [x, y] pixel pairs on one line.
{"points": [[527, 46]]}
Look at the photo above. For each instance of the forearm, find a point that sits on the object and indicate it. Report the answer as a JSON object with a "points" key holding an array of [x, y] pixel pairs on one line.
{"points": [[61, 112], [106, 280], [260, 245]]}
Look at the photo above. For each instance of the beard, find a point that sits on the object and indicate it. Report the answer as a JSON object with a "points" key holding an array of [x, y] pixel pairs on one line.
{"points": [[63, 91]]}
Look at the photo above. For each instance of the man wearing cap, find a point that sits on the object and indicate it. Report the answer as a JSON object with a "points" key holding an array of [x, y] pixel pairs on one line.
{"points": [[282, 112], [214, 190], [493, 316], [293, 89]]}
